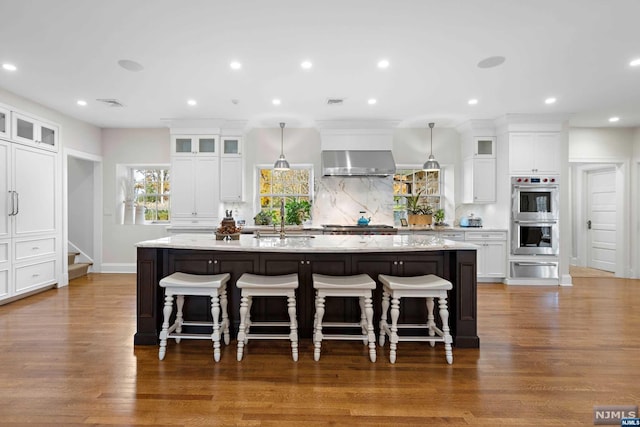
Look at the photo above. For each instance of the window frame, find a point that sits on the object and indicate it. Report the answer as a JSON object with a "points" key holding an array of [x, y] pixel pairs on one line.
{"points": [[400, 200], [258, 195], [132, 180]]}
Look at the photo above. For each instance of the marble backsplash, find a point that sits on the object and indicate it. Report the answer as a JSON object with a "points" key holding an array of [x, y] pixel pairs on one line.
{"points": [[339, 200]]}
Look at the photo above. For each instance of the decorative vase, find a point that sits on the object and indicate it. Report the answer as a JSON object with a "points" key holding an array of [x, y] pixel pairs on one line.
{"points": [[129, 212]]}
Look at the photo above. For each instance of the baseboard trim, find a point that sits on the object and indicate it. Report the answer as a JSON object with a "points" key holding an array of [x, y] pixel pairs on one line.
{"points": [[113, 267]]}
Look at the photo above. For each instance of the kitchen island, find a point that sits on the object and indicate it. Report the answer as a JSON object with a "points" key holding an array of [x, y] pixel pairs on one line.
{"points": [[401, 255]]}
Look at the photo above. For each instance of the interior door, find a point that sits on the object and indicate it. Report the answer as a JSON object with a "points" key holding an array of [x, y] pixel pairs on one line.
{"points": [[601, 219]]}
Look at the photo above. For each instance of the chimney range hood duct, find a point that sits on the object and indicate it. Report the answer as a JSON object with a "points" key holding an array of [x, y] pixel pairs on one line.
{"points": [[358, 163]]}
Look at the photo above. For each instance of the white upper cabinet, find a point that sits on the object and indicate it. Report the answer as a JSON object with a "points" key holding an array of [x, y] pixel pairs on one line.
{"points": [[479, 180], [189, 145], [31, 131], [231, 146], [479, 147], [534, 153], [231, 179], [5, 123]]}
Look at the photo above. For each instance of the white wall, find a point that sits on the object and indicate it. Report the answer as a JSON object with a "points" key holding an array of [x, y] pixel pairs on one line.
{"points": [[133, 147], [80, 201]]}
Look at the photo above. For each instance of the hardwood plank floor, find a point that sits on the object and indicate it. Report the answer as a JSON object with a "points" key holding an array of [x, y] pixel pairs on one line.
{"points": [[547, 356]]}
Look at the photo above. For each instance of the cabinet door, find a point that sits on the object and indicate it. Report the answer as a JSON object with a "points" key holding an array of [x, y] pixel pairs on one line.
{"points": [[183, 187], [7, 199], [546, 154], [485, 146], [5, 270], [34, 178], [4, 123], [480, 180], [495, 259], [537, 153], [231, 179], [207, 187], [182, 145], [231, 145], [34, 132], [520, 150]]}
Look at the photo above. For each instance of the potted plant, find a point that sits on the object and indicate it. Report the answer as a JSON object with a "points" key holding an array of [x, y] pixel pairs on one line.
{"points": [[263, 218], [297, 211], [418, 212], [438, 217]]}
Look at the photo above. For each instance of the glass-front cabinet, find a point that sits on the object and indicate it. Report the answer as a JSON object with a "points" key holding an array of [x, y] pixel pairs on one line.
{"points": [[4, 122], [231, 145], [28, 130], [188, 145]]}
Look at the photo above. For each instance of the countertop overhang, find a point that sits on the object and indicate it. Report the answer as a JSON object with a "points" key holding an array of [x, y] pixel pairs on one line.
{"points": [[309, 244]]}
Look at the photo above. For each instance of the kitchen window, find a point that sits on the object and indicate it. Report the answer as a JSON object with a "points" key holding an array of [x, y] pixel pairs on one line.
{"points": [[410, 182], [152, 189], [294, 184]]}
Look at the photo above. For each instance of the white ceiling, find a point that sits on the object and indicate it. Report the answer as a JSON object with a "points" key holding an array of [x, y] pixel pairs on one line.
{"points": [[575, 50]]}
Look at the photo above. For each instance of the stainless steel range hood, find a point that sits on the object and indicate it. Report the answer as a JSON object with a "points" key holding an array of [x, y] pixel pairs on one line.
{"points": [[358, 163]]}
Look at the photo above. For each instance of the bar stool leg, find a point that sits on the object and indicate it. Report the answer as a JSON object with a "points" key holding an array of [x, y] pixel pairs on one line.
{"points": [[242, 335], [383, 318], [363, 319], [317, 335], [248, 319], [431, 320], [393, 339], [215, 335], [293, 335], [225, 316], [444, 315], [368, 308], [168, 308], [179, 316]]}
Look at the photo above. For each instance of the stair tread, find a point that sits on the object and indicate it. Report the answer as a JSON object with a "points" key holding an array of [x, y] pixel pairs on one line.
{"points": [[80, 265]]}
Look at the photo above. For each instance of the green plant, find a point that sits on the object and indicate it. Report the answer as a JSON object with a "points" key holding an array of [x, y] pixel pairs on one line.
{"points": [[263, 218], [416, 206], [297, 211], [439, 216]]}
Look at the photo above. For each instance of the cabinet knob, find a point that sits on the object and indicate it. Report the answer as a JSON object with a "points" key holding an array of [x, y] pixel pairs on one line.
{"points": [[395, 262], [401, 262], [35, 248], [308, 262], [210, 261], [301, 262], [215, 261]]}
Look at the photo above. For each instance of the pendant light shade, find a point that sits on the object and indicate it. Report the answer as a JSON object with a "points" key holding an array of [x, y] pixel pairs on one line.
{"points": [[431, 164], [281, 164]]}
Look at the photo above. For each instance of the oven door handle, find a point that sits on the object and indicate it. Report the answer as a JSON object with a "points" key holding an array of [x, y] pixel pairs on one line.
{"points": [[540, 222], [536, 187]]}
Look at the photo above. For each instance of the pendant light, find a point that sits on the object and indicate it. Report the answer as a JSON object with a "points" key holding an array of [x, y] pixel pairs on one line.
{"points": [[431, 164], [281, 164]]}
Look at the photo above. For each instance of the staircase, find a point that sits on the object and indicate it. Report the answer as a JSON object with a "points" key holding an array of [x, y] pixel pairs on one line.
{"points": [[77, 269]]}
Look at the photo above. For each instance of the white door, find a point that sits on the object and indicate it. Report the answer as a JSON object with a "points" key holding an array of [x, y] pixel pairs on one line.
{"points": [[601, 218], [7, 199]]}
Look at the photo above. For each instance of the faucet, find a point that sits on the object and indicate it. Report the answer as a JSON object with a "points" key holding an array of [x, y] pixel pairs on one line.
{"points": [[282, 235]]}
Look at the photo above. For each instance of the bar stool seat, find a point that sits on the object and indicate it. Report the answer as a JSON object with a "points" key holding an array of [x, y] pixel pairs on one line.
{"points": [[253, 285], [358, 286], [429, 287], [183, 284]]}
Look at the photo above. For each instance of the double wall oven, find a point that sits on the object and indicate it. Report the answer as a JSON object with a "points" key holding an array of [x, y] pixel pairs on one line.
{"points": [[534, 227]]}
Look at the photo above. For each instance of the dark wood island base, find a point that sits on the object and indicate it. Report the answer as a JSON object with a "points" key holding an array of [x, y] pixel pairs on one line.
{"points": [[455, 265]]}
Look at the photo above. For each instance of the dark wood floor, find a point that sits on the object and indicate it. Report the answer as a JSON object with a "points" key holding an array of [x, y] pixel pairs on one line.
{"points": [[547, 356]]}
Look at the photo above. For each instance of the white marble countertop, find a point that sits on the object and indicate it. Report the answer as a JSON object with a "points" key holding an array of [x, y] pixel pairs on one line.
{"points": [[318, 243]]}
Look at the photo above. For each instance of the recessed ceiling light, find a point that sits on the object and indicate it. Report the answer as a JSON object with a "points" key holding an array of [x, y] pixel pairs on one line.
{"points": [[9, 67], [235, 65], [635, 62], [130, 65], [492, 61], [383, 63], [372, 101], [550, 100], [614, 119], [192, 102], [472, 101], [276, 101], [306, 65], [81, 102]]}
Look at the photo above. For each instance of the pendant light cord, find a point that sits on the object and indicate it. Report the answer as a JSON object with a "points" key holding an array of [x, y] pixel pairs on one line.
{"points": [[281, 139], [431, 125]]}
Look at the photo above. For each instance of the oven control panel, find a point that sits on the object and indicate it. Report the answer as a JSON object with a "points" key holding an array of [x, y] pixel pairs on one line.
{"points": [[534, 180]]}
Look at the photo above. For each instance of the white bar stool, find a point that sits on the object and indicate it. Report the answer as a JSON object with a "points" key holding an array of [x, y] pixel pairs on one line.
{"points": [[183, 284], [429, 287], [359, 286], [254, 285]]}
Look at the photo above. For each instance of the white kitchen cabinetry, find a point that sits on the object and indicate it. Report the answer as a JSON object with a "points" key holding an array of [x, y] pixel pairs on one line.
{"points": [[5, 122], [479, 185], [29, 225], [195, 189], [491, 253], [188, 145], [534, 153], [35, 132], [231, 146], [231, 174], [479, 171]]}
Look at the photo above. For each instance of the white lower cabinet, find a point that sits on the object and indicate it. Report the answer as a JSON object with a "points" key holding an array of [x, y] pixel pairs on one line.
{"points": [[491, 260], [35, 275], [5, 267]]}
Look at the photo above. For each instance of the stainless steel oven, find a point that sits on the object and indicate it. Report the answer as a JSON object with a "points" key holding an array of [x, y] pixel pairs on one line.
{"points": [[534, 237], [535, 198]]}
